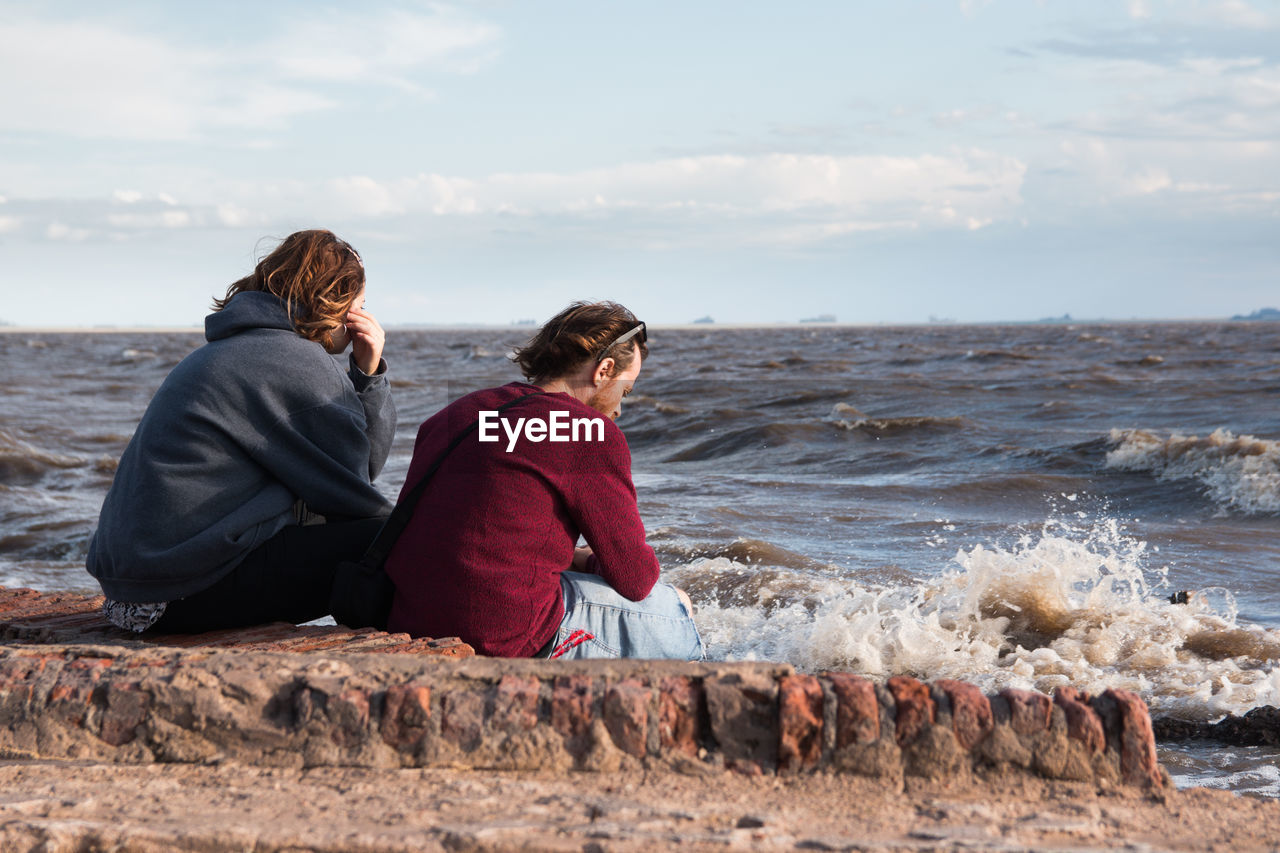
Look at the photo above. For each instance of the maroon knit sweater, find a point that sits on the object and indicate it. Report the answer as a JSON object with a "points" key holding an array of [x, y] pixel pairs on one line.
{"points": [[481, 558]]}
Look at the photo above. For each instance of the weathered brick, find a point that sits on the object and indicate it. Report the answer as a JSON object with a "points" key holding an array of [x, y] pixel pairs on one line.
{"points": [[348, 712], [93, 666], [1138, 762], [857, 711], [17, 679], [799, 722], [681, 708], [462, 718], [971, 718], [743, 713], [70, 697], [126, 709], [1083, 723], [1029, 712], [626, 715], [915, 708], [513, 703], [571, 700], [68, 617], [406, 715]]}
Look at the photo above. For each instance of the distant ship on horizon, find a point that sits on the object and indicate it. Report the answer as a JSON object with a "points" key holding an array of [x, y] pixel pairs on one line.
{"points": [[821, 318]]}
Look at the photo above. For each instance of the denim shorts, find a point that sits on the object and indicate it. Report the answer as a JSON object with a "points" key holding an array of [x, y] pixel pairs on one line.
{"points": [[600, 623]]}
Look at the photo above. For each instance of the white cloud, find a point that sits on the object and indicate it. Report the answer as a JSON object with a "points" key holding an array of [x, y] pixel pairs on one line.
{"points": [[717, 198], [874, 188], [234, 216], [99, 80], [969, 8], [1237, 13], [127, 196], [1193, 99], [1213, 178], [63, 232], [1148, 181], [364, 196], [9, 224], [386, 47], [1231, 14], [148, 221]]}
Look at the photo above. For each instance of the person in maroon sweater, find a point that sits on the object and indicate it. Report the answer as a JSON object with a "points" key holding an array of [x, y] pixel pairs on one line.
{"points": [[489, 554]]}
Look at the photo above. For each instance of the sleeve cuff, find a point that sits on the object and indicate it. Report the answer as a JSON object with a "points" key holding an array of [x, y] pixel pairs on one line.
{"points": [[361, 379]]}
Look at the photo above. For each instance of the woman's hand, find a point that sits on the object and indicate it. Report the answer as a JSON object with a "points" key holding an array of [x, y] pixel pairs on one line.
{"points": [[367, 339], [580, 556]]}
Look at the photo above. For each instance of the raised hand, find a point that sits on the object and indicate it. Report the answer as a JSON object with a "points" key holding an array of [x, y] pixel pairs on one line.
{"points": [[367, 339]]}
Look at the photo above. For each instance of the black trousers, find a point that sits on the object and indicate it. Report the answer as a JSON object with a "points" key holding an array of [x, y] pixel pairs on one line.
{"points": [[285, 579]]}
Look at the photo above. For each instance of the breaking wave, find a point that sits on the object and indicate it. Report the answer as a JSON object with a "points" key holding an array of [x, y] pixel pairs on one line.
{"points": [[850, 418], [21, 462], [1240, 473], [1070, 605]]}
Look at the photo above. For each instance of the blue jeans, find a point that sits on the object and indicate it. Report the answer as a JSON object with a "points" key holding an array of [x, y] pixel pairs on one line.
{"points": [[600, 623]]}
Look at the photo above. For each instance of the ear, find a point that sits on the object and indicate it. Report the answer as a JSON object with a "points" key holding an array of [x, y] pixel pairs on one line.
{"points": [[603, 371]]}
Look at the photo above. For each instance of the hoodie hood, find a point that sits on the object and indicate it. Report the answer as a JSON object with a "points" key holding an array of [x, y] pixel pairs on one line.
{"points": [[252, 309]]}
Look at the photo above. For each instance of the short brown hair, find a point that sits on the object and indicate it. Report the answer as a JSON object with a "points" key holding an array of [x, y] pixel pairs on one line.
{"points": [[315, 274], [584, 330]]}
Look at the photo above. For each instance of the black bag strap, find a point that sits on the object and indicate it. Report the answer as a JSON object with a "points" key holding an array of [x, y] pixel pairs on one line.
{"points": [[399, 518]]}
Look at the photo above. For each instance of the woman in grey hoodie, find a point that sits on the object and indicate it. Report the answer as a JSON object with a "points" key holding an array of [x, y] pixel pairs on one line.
{"points": [[250, 436]]}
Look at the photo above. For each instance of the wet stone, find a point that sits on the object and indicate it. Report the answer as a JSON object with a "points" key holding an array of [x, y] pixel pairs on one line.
{"points": [[1083, 723], [1138, 762], [799, 722], [126, 709], [348, 713], [462, 718], [406, 715], [915, 708], [857, 711], [742, 708], [681, 707], [571, 710], [1029, 712], [971, 718], [626, 715], [513, 703]]}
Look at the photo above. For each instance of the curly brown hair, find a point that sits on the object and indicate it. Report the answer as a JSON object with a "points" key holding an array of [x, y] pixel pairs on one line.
{"points": [[315, 274], [584, 330]]}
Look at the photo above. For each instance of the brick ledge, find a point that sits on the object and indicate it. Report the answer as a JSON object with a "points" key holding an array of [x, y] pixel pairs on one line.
{"points": [[141, 705]]}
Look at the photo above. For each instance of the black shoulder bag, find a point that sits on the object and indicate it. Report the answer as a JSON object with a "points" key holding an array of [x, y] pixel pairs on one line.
{"points": [[362, 591]]}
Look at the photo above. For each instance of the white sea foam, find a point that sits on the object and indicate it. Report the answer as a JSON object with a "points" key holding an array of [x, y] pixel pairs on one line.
{"points": [[1067, 606], [1250, 770], [1238, 472]]}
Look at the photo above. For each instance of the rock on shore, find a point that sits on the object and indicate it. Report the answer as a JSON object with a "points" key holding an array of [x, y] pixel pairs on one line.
{"points": [[1258, 727], [143, 705]]}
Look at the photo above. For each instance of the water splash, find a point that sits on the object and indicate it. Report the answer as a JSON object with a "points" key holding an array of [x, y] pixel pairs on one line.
{"points": [[1240, 473], [1073, 604]]}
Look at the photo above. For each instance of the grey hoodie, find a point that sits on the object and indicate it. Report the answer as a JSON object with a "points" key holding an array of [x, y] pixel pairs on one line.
{"points": [[254, 420]]}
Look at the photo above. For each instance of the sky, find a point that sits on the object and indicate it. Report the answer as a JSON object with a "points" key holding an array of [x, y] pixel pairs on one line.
{"points": [[883, 161]]}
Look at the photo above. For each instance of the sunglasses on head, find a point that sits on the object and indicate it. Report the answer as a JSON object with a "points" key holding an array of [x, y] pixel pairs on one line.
{"points": [[347, 247], [638, 332]]}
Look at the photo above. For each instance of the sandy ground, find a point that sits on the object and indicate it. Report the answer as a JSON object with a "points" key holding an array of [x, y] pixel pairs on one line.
{"points": [[67, 806]]}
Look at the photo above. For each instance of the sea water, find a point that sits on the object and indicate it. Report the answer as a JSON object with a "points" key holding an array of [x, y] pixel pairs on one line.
{"points": [[1008, 505]]}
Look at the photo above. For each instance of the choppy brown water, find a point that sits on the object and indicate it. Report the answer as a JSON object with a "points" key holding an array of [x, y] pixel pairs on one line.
{"points": [[1010, 505]]}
